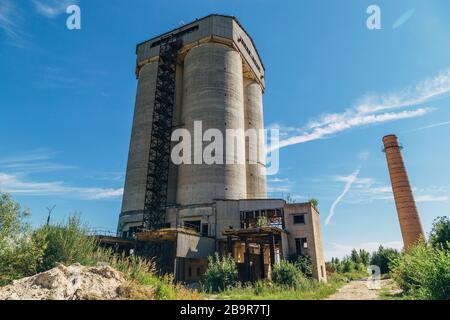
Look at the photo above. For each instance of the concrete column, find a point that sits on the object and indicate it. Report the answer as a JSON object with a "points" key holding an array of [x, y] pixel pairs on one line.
{"points": [[256, 172], [136, 175], [408, 215], [272, 250], [230, 246], [213, 94], [247, 260], [261, 259]]}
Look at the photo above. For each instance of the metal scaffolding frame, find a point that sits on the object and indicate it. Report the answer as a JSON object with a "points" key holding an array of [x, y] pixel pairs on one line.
{"points": [[160, 143]]}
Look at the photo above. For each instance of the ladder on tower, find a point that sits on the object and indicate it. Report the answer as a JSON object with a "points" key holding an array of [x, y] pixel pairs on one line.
{"points": [[160, 142]]}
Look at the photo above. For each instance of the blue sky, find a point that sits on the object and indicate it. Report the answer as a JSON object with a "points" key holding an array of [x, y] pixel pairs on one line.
{"points": [[334, 88]]}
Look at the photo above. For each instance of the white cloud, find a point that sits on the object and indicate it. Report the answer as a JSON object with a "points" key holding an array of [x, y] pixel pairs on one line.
{"points": [[349, 122], [423, 92], [278, 180], [32, 162], [434, 125], [336, 250], [8, 12], [371, 109], [349, 182], [368, 190], [52, 8], [431, 198], [18, 185]]}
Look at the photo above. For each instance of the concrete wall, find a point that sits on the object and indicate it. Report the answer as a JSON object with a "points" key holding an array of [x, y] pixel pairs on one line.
{"points": [[213, 94], [210, 28], [194, 247], [227, 215], [216, 58], [136, 176], [311, 231], [254, 142]]}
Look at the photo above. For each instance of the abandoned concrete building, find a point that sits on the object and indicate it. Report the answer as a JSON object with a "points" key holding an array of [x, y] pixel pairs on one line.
{"points": [[210, 71]]}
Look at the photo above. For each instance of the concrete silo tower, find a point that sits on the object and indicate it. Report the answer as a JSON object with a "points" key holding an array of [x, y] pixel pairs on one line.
{"points": [[209, 71], [404, 200]]}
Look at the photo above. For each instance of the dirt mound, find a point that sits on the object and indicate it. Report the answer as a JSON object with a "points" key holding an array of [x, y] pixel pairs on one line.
{"points": [[74, 282]]}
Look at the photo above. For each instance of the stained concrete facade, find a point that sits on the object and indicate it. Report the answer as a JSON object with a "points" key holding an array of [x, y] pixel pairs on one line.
{"points": [[211, 220], [408, 214], [220, 82], [306, 233]]}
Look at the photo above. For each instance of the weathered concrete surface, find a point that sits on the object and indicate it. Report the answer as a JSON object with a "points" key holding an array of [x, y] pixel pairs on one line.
{"points": [[254, 144], [136, 176], [213, 94], [408, 214], [309, 230]]}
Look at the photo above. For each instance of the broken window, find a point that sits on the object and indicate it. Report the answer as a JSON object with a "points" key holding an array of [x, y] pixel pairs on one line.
{"points": [[301, 246], [299, 219], [193, 225]]}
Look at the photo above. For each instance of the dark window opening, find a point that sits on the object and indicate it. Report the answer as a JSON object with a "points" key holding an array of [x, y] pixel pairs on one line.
{"points": [[301, 245], [321, 270], [190, 271], [299, 219], [193, 225], [199, 271], [205, 229]]}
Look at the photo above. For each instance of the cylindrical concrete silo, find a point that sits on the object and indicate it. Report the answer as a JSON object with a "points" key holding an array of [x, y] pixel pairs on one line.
{"points": [[213, 94], [255, 153], [136, 177], [404, 200]]}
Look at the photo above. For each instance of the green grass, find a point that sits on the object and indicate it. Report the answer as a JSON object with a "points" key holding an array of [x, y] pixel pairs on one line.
{"points": [[266, 291]]}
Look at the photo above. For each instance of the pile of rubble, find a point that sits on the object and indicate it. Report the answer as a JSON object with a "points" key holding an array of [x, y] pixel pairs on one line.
{"points": [[74, 282]]}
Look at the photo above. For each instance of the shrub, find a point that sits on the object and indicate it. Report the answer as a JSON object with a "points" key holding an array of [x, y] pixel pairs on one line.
{"points": [[286, 274], [440, 233], [221, 274], [423, 272], [67, 243], [303, 263]]}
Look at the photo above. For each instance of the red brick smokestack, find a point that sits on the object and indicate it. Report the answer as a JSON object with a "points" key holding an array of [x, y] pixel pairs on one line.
{"points": [[404, 199]]}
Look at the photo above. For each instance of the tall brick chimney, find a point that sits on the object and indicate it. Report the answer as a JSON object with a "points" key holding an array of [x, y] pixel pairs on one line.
{"points": [[404, 200]]}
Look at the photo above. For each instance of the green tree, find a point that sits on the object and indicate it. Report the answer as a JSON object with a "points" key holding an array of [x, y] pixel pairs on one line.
{"points": [[355, 257], [348, 265], [383, 257], [21, 250], [364, 257], [440, 233]]}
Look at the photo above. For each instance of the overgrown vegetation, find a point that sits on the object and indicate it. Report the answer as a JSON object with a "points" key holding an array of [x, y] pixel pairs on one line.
{"points": [[25, 252], [423, 272], [221, 274], [303, 263], [288, 282], [358, 261], [266, 290]]}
